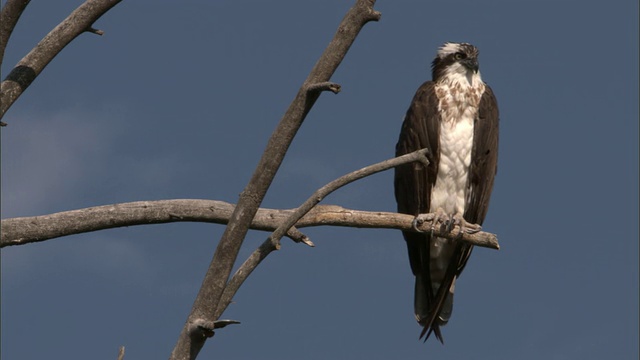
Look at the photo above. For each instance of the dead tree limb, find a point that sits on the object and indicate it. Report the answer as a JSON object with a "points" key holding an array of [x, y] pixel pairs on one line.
{"points": [[208, 298], [121, 353], [27, 69], [27, 230], [273, 242], [9, 17]]}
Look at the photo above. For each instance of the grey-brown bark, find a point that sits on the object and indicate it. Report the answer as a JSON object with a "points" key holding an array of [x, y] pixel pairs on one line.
{"points": [[208, 298], [9, 17], [27, 230], [30, 66], [20, 230], [273, 241], [217, 288]]}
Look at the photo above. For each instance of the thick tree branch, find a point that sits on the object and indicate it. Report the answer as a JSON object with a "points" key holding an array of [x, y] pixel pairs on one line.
{"points": [[27, 230], [27, 69], [212, 211], [16, 231], [24, 230], [217, 275], [9, 17]]}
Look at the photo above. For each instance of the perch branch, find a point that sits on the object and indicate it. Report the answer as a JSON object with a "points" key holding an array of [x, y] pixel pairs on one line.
{"points": [[27, 69], [27, 230]]}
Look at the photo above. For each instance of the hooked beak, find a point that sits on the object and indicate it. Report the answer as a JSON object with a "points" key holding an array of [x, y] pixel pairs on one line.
{"points": [[471, 64]]}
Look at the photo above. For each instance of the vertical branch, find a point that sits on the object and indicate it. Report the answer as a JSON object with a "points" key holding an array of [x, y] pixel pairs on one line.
{"points": [[190, 342], [27, 69]]}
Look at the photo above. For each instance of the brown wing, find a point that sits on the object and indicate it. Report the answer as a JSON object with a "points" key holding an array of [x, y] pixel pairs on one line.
{"points": [[484, 159], [413, 182], [482, 171], [413, 185]]}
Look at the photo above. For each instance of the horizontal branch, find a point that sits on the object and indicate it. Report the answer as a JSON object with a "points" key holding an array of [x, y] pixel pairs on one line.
{"points": [[24, 230]]}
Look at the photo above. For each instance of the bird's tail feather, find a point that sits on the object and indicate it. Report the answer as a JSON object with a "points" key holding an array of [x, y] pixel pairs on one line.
{"points": [[433, 311]]}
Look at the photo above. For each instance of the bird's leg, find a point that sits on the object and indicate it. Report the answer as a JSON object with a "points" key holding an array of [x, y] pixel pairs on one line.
{"points": [[465, 226]]}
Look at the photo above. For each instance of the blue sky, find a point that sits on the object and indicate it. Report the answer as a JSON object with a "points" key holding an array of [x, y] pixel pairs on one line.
{"points": [[178, 101]]}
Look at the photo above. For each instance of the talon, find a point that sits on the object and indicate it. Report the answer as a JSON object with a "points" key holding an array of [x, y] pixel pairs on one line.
{"points": [[473, 228], [450, 223], [419, 220], [415, 223], [439, 216], [465, 226]]}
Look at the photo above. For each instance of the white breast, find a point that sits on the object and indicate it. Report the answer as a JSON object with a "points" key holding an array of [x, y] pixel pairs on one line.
{"points": [[458, 105], [455, 155]]}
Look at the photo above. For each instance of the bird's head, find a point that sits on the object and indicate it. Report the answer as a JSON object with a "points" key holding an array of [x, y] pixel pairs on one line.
{"points": [[455, 61]]}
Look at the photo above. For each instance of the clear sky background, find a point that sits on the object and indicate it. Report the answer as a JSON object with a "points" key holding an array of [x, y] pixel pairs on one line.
{"points": [[178, 101]]}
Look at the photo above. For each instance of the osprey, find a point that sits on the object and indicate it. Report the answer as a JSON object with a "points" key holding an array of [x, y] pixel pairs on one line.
{"points": [[455, 117]]}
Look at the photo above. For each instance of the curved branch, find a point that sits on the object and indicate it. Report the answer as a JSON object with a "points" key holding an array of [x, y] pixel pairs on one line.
{"points": [[217, 275], [273, 242], [27, 69]]}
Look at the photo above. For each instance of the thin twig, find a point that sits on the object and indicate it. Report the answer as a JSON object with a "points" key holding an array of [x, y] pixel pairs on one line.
{"points": [[95, 31], [324, 86]]}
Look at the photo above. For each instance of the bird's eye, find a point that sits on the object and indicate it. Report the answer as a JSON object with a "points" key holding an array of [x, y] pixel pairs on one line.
{"points": [[459, 55]]}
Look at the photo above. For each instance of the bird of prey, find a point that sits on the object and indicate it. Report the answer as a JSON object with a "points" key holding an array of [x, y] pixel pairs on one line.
{"points": [[455, 117]]}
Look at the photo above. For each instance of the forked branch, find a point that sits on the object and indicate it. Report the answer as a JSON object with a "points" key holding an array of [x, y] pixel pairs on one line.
{"points": [[215, 280], [273, 242]]}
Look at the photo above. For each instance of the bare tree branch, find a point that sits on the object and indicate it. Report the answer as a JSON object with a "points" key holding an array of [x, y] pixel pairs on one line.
{"points": [[121, 353], [27, 69], [27, 230], [217, 289], [9, 17], [340, 182], [183, 210], [273, 242], [217, 275]]}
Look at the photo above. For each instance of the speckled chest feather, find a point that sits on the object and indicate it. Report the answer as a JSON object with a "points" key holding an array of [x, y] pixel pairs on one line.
{"points": [[459, 97]]}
